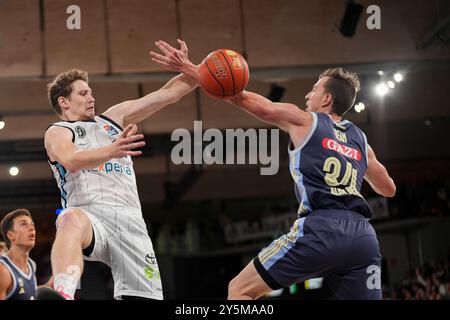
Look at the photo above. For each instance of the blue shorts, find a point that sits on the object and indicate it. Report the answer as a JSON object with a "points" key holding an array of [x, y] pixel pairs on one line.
{"points": [[340, 246]]}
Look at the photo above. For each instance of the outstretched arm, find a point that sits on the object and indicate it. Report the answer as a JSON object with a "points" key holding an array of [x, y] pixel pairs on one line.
{"points": [[378, 177], [134, 111], [60, 148], [283, 115]]}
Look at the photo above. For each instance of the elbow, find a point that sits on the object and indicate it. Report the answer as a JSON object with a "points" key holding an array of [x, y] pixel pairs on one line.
{"points": [[392, 193], [71, 167], [268, 114], [390, 190]]}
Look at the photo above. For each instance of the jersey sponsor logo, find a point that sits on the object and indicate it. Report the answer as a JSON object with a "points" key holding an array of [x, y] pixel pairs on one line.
{"points": [[330, 144], [151, 273], [150, 259], [109, 167], [110, 130], [81, 132]]}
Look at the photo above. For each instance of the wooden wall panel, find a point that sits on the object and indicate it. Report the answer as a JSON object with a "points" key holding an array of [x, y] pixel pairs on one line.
{"points": [[305, 32], [179, 115], [207, 26], [26, 127], [24, 96], [296, 90], [221, 115], [107, 94], [66, 49], [134, 26], [20, 38]]}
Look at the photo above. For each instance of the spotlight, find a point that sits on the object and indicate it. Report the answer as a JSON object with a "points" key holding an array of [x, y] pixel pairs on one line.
{"points": [[391, 84], [14, 171], [380, 72], [398, 77], [2, 123], [359, 107], [381, 89]]}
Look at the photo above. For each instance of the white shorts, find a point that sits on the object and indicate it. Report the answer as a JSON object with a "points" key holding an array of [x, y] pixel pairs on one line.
{"points": [[123, 243]]}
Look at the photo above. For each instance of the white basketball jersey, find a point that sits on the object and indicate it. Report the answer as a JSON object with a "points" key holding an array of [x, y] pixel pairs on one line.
{"points": [[113, 183]]}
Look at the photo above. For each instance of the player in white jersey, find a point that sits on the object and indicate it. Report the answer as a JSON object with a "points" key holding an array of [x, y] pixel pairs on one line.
{"points": [[91, 159]]}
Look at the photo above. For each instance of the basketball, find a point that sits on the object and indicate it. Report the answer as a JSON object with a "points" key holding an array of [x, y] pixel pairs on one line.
{"points": [[223, 74]]}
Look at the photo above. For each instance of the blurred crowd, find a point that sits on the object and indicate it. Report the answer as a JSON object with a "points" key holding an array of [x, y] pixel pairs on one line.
{"points": [[421, 198], [427, 282]]}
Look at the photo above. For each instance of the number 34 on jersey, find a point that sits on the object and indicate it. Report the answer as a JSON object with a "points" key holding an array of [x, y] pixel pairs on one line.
{"points": [[340, 186]]}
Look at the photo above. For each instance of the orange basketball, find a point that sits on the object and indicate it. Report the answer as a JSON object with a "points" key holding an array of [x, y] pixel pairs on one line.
{"points": [[223, 74]]}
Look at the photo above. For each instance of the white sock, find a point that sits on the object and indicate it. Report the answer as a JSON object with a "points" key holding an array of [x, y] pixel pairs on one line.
{"points": [[65, 284]]}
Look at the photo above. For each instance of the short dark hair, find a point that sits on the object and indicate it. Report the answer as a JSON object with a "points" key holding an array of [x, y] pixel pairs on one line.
{"points": [[8, 222], [343, 86], [61, 86]]}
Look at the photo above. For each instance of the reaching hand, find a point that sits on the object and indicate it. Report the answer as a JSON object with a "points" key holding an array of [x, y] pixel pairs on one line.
{"points": [[123, 146], [173, 59]]}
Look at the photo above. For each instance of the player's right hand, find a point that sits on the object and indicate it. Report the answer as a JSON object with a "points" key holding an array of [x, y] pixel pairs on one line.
{"points": [[173, 59], [129, 140]]}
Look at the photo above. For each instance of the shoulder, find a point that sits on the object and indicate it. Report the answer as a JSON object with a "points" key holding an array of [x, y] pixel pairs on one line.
{"points": [[56, 131], [33, 264], [7, 280], [103, 118], [357, 129], [5, 274], [116, 113]]}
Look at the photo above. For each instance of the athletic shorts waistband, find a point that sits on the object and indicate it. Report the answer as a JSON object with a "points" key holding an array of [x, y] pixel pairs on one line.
{"points": [[346, 214]]}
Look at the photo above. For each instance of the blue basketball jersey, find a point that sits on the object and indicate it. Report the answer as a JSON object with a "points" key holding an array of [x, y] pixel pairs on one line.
{"points": [[24, 285], [328, 167]]}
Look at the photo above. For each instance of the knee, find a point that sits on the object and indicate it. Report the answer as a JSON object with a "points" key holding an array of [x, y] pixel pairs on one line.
{"points": [[72, 219]]}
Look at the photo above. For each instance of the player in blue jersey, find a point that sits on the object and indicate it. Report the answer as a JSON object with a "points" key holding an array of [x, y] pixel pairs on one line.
{"points": [[17, 270], [329, 158]]}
